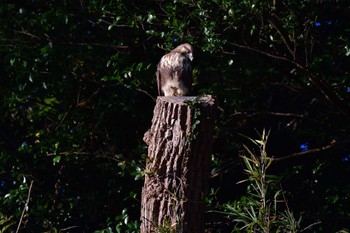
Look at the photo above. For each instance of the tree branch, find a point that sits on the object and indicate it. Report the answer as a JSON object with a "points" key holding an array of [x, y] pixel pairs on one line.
{"points": [[311, 151], [276, 23], [283, 114], [266, 53], [327, 91], [25, 206], [26, 33], [115, 47], [148, 94], [68, 153]]}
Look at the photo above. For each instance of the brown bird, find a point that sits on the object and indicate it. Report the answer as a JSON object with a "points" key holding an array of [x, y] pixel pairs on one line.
{"points": [[174, 72]]}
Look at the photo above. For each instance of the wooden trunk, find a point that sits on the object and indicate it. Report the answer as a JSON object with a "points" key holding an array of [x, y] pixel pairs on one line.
{"points": [[179, 146]]}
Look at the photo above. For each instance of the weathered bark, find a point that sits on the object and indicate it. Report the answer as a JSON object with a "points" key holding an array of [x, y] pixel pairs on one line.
{"points": [[179, 146]]}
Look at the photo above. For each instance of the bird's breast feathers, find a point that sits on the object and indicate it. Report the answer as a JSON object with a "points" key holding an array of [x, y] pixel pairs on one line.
{"points": [[174, 88]]}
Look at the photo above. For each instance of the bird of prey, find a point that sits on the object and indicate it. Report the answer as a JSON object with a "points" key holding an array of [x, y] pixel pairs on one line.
{"points": [[174, 72]]}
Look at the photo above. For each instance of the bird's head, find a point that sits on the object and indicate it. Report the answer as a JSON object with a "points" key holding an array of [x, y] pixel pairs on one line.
{"points": [[185, 49]]}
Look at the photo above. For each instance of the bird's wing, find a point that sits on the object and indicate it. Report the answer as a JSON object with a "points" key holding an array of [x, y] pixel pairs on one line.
{"points": [[159, 82], [186, 76]]}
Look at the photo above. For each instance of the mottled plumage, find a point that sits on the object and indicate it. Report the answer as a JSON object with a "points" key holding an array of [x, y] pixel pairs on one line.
{"points": [[174, 72]]}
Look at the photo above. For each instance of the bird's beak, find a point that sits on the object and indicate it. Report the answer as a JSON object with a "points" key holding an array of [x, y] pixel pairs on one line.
{"points": [[190, 56]]}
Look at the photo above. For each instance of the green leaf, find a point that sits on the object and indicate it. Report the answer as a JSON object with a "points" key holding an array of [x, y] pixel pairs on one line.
{"points": [[56, 159]]}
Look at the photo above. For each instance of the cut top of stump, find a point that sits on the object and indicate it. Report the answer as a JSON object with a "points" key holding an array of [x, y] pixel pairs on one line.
{"points": [[188, 100], [206, 101]]}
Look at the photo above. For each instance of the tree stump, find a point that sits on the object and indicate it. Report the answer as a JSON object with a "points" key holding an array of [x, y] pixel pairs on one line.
{"points": [[179, 146]]}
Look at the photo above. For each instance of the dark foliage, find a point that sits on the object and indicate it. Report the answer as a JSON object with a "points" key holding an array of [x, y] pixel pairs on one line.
{"points": [[77, 86]]}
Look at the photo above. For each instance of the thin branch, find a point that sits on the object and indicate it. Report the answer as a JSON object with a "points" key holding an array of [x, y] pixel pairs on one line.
{"points": [[68, 153], [230, 165], [69, 228], [306, 51], [311, 151], [116, 47], [299, 154], [25, 206], [47, 38], [83, 153], [80, 103], [294, 88], [148, 94], [114, 25], [64, 117], [311, 225], [266, 53], [26, 33], [229, 53], [276, 23], [328, 92], [16, 41], [287, 114]]}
